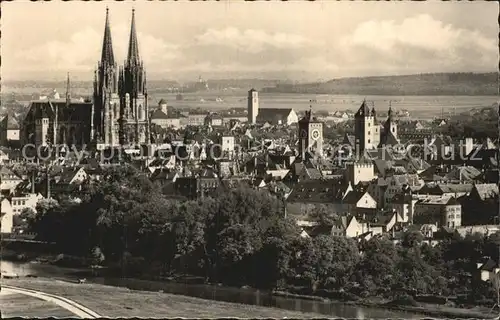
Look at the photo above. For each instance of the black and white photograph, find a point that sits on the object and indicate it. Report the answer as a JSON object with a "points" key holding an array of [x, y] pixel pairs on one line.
{"points": [[250, 159]]}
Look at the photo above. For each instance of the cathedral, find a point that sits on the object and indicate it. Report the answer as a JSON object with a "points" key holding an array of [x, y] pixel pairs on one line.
{"points": [[120, 109], [117, 115]]}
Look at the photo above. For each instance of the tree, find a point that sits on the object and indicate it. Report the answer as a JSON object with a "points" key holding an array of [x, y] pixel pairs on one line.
{"points": [[378, 267]]}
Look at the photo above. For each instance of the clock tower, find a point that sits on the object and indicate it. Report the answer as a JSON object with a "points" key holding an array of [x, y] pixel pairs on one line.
{"points": [[310, 135]]}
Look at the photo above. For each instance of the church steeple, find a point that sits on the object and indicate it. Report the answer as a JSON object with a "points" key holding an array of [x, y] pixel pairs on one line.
{"points": [[107, 56], [133, 47], [389, 113], [68, 92]]}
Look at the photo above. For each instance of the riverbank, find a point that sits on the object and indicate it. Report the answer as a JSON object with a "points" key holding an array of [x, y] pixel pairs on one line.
{"points": [[172, 284], [113, 302], [428, 309]]}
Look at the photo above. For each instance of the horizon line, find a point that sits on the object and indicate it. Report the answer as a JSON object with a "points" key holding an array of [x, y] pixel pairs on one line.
{"points": [[322, 79]]}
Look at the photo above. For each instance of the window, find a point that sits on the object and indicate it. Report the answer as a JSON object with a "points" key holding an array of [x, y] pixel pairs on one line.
{"points": [[369, 141], [369, 132]]}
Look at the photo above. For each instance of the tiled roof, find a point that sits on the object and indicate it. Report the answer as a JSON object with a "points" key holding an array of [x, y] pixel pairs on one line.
{"points": [[463, 174], [10, 123], [159, 114], [437, 200], [268, 114], [486, 190], [76, 111], [363, 110], [454, 187], [407, 179], [489, 265], [314, 191], [353, 197]]}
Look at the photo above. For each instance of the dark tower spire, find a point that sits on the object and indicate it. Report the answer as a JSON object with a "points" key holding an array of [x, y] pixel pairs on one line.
{"points": [[133, 47], [68, 94], [107, 56]]}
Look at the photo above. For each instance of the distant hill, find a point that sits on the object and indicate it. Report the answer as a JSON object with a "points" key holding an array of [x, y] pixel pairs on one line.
{"points": [[418, 84], [154, 86]]}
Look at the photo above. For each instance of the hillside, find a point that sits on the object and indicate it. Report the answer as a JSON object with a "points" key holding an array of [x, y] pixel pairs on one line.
{"points": [[421, 84]]}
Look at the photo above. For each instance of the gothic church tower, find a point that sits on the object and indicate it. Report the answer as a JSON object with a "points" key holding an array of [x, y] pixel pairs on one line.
{"points": [[134, 114], [121, 114], [104, 125]]}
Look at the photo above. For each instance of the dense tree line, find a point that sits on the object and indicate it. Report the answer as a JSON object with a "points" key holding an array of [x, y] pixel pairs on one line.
{"points": [[479, 125], [241, 237]]}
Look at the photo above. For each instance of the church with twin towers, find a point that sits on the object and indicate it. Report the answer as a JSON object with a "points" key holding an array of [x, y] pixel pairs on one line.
{"points": [[120, 106]]}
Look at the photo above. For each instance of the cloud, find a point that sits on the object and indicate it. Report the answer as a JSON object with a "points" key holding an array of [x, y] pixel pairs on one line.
{"points": [[416, 44], [251, 40], [83, 49], [77, 53], [420, 43]]}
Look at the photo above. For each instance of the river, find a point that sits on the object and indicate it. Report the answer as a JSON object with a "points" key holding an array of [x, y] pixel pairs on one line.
{"points": [[236, 295]]}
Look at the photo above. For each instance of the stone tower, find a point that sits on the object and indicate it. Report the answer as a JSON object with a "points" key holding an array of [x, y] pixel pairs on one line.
{"points": [[310, 135], [366, 128], [390, 134], [253, 106], [106, 100], [134, 112]]}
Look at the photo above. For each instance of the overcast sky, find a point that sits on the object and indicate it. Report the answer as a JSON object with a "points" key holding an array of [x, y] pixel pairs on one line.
{"points": [[295, 40]]}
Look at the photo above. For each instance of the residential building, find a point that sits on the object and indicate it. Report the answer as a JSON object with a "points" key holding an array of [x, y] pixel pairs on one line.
{"points": [[196, 119], [488, 269], [8, 179], [360, 202], [9, 130], [28, 201], [441, 210], [214, 120]]}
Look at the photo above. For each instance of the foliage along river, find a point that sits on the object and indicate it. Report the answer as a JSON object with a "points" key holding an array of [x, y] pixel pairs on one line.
{"points": [[236, 295]]}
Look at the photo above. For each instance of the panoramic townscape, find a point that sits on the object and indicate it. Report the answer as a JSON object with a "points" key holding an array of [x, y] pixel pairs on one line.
{"points": [[127, 195]]}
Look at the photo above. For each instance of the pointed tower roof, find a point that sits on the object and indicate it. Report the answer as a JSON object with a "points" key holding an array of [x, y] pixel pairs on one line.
{"points": [[389, 113], [107, 56], [133, 47], [363, 111]]}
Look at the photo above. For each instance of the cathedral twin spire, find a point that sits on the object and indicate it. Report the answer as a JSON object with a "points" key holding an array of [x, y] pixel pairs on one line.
{"points": [[133, 47], [107, 56]]}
